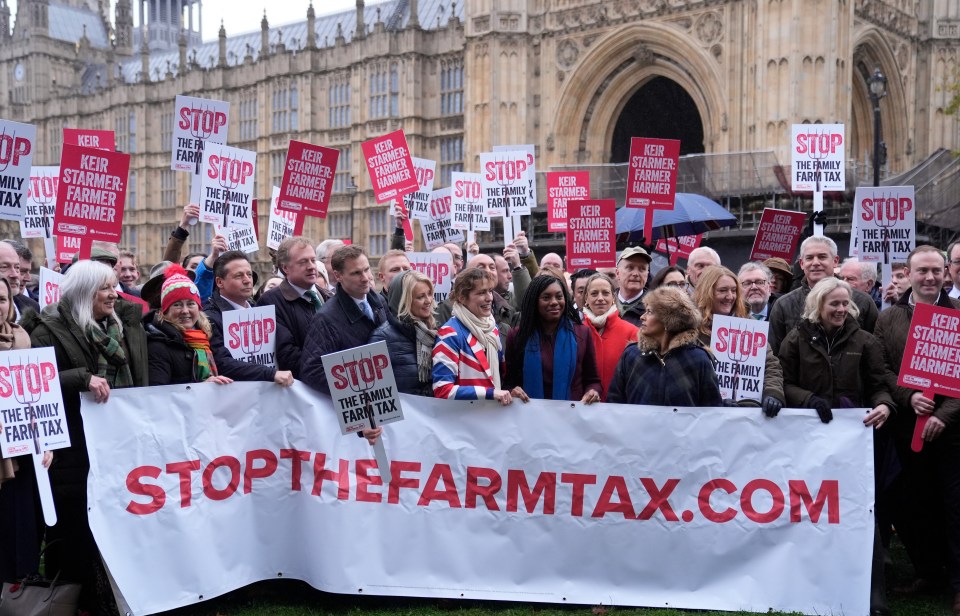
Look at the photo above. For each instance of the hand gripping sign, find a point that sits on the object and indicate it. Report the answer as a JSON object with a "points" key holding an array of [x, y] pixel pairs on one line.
{"points": [[390, 166], [591, 234], [91, 193], [308, 179], [438, 268], [777, 235], [364, 392], [469, 211], [16, 157], [32, 414], [437, 229], [931, 359], [227, 186], [562, 187], [251, 335], [41, 203], [740, 348]]}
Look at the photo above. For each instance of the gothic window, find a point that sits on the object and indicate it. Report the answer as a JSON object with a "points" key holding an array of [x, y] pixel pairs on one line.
{"points": [[451, 87], [451, 158]]}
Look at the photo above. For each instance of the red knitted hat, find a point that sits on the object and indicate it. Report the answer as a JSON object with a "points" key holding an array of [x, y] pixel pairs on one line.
{"points": [[177, 286]]}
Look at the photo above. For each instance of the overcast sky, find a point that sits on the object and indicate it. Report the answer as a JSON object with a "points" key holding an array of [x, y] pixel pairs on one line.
{"points": [[241, 16]]}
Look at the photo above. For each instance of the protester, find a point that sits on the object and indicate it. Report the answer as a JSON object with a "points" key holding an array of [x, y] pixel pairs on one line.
{"points": [[610, 333], [272, 282], [192, 260], [393, 263], [503, 311], [953, 261], [550, 354], [552, 259], [670, 276], [578, 282], [296, 299], [234, 280], [700, 258], [179, 237], [10, 270], [861, 276], [718, 292], [754, 281], [633, 268], [127, 272], [898, 285], [457, 253], [668, 365], [510, 268], [926, 501], [21, 527], [325, 250], [828, 363], [468, 354], [26, 269], [410, 332], [818, 258], [782, 280], [100, 346], [178, 335]]}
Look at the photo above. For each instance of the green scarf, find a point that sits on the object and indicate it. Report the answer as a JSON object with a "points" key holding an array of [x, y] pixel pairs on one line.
{"points": [[112, 358], [198, 341]]}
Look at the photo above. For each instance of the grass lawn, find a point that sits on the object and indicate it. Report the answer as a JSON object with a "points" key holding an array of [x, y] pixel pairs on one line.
{"points": [[292, 598]]}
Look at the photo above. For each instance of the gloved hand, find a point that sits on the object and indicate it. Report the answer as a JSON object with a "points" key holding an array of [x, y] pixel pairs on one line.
{"points": [[822, 407], [816, 218], [771, 406], [729, 402]]}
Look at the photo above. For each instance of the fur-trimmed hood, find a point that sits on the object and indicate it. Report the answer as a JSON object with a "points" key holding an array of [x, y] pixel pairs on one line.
{"points": [[690, 337]]}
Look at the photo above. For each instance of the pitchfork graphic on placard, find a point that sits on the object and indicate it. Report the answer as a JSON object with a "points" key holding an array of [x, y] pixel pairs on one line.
{"points": [[885, 223], [249, 345], [471, 202], [27, 399], [817, 156], [199, 134], [737, 354], [44, 202], [4, 164], [358, 388], [227, 185]]}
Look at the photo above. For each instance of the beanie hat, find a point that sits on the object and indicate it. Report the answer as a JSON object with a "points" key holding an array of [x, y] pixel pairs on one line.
{"points": [[177, 286]]}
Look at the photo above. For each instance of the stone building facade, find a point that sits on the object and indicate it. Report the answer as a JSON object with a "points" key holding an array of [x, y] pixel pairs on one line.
{"points": [[574, 77]]}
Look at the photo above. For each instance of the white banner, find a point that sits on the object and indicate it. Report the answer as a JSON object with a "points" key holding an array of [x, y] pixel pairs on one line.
{"points": [[710, 508], [817, 156], [251, 335], [740, 348]]}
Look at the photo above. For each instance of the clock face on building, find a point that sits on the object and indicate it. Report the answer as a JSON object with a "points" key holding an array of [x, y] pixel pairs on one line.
{"points": [[18, 72]]}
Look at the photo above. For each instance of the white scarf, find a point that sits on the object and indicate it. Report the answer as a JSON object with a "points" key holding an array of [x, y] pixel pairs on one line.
{"points": [[599, 322], [482, 329]]}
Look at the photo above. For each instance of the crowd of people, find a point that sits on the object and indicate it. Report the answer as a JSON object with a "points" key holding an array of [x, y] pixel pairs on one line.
{"points": [[514, 328]]}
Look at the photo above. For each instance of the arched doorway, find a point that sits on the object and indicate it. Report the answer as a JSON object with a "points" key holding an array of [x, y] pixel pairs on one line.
{"points": [[661, 108]]}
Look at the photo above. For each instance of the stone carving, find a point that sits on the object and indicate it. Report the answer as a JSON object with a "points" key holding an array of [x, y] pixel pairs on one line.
{"points": [[642, 55], [567, 54], [709, 28]]}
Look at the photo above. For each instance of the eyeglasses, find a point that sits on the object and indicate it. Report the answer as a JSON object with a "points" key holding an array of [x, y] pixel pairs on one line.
{"points": [[753, 283]]}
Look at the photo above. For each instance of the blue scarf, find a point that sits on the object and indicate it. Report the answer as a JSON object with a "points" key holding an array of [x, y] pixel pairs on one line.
{"points": [[564, 363]]}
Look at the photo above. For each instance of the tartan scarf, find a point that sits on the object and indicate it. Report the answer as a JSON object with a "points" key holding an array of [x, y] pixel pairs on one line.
{"points": [[111, 357], [426, 338], [198, 341]]}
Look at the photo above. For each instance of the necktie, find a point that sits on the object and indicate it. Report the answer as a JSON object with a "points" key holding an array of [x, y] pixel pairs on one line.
{"points": [[758, 317], [314, 298], [365, 307]]}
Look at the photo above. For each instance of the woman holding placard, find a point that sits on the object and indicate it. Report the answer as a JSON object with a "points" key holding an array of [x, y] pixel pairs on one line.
{"points": [[100, 345], [21, 527], [468, 356], [668, 365], [411, 334], [550, 354], [718, 292], [178, 335], [610, 333]]}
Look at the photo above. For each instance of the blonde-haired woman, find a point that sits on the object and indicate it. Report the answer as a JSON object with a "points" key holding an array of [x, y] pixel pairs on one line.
{"points": [[411, 334], [718, 292], [178, 335]]}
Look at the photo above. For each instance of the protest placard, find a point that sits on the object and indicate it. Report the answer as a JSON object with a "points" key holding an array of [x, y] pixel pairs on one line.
{"points": [[652, 177], [49, 291], [31, 406], [817, 156], [469, 212], [227, 186], [308, 179], [884, 223], [68, 246], [362, 387], [740, 349], [390, 166], [777, 235], [530, 150], [96, 139], [931, 359], [16, 156], [41, 202], [591, 234], [91, 193], [437, 230], [198, 120], [418, 203], [243, 236], [282, 223], [251, 335], [503, 180], [562, 186], [438, 268], [678, 247]]}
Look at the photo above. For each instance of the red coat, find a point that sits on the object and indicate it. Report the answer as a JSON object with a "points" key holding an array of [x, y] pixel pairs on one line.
{"points": [[609, 346]]}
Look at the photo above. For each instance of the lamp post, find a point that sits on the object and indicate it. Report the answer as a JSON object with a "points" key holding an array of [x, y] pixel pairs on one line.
{"points": [[352, 191], [877, 84]]}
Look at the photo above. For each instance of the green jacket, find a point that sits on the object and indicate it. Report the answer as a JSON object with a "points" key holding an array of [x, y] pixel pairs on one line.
{"points": [[76, 363]]}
